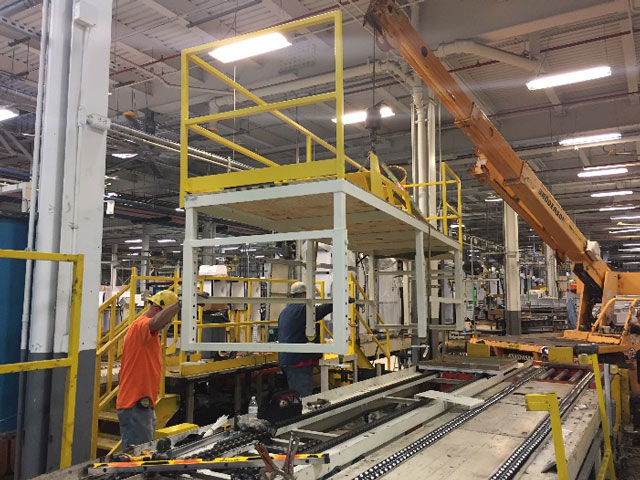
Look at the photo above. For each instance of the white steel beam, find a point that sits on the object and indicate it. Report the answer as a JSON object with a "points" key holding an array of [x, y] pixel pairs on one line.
{"points": [[630, 59]]}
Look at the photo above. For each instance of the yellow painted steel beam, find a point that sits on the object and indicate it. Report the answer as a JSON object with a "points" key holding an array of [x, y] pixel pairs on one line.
{"points": [[29, 255], [36, 365], [233, 146], [548, 402], [184, 132], [266, 108], [289, 121], [284, 28], [293, 172]]}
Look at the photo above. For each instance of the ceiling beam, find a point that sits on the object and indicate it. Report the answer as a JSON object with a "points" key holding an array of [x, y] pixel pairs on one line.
{"points": [[630, 59], [584, 158]]}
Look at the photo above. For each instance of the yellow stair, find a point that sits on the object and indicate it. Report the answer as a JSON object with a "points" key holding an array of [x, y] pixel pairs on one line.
{"points": [[106, 441]]}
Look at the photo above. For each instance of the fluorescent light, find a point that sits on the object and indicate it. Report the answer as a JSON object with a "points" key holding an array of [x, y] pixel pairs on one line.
{"points": [[135, 248], [567, 78], [7, 113], [492, 199], [133, 254], [124, 155], [176, 251], [229, 248], [166, 240], [613, 209], [135, 240], [612, 194], [626, 217], [110, 194], [361, 116], [179, 209], [455, 225], [250, 47], [625, 230], [259, 256], [631, 245], [603, 172], [605, 137]]}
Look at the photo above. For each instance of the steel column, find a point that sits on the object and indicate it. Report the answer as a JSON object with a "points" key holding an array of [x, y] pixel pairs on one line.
{"points": [[340, 285], [551, 271], [421, 286], [512, 272]]}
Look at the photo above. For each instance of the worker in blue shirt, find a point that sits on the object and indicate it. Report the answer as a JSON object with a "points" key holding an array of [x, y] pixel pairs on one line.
{"points": [[298, 367]]}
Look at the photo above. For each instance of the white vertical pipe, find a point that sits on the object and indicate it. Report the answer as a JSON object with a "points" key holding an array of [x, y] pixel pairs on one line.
{"points": [[551, 270], [512, 271], [421, 157]]}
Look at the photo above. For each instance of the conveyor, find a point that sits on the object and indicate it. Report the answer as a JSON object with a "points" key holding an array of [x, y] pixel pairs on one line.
{"points": [[395, 411]]}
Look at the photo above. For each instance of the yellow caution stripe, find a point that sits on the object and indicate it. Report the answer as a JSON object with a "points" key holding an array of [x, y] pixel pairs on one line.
{"points": [[184, 464]]}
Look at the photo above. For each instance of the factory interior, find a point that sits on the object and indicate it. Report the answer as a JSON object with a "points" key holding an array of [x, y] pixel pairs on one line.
{"points": [[319, 239]]}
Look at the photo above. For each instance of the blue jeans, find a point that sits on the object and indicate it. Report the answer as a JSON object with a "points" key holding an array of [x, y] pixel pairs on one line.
{"points": [[137, 425], [300, 379]]}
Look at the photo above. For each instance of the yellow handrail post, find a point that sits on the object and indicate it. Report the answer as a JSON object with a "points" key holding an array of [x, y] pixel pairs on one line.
{"points": [[548, 402], [340, 165], [445, 206], [309, 149], [606, 465]]}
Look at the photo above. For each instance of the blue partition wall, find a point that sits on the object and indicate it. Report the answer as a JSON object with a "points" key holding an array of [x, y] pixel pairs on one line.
{"points": [[13, 235]]}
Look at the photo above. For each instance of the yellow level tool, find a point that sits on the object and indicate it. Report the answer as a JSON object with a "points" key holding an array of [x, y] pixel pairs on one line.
{"points": [[186, 464]]}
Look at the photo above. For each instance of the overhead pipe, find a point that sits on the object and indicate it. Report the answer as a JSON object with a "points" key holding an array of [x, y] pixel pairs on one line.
{"points": [[473, 48], [18, 5]]}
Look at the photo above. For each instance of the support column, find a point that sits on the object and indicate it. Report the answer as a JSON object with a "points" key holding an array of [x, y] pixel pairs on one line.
{"points": [[551, 271], [512, 272], [144, 257], [432, 175], [114, 269], [71, 194], [421, 156]]}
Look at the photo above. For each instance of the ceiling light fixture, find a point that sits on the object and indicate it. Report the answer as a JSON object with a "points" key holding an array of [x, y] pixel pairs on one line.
{"points": [[626, 217], [179, 209], [567, 78], [612, 194], [626, 230], [361, 115], [605, 137], [603, 172], [613, 209], [135, 240], [7, 113], [631, 245], [250, 47], [135, 248], [166, 240], [124, 156], [493, 200]]}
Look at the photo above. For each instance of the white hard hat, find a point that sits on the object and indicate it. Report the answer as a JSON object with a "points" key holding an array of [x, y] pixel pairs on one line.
{"points": [[298, 287]]}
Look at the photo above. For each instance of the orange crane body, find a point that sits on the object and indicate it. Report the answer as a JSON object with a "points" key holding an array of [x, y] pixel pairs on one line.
{"points": [[499, 167]]}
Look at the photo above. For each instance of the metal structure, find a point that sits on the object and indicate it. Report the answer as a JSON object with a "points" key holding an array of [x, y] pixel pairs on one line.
{"points": [[70, 362], [318, 200]]}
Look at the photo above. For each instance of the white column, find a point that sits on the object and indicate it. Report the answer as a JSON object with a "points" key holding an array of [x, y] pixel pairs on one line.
{"points": [[71, 199], [551, 271], [512, 272], [144, 256], [432, 175], [340, 285], [421, 286], [421, 150], [114, 269]]}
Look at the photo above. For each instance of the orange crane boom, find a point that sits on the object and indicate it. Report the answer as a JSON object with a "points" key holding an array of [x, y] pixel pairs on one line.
{"points": [[498, 165]]}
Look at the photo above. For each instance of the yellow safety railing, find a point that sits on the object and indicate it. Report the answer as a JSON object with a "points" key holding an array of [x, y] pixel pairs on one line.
{"points": [[71, 360], [274, 172], [110, 344], [355, 318], [449, 212], [549, 402]]}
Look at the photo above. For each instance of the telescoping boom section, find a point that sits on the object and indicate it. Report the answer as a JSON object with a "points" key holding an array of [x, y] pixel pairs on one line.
{"points": [[497, 164]]}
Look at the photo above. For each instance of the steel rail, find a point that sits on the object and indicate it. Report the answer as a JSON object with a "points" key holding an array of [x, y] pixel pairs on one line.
{"points": [[526, 448], [393, 461]]}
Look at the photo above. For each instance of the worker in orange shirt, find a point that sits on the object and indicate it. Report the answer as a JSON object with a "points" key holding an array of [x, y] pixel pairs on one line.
{"points": [[141, 370]]}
